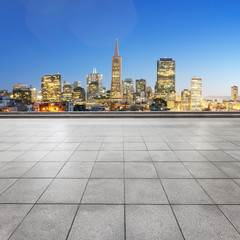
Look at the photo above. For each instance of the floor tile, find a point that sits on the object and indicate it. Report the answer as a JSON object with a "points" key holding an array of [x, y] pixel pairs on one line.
{"points": [[22, 146], [203, 146], [6, 183], [46, 222], [95, 222], [34, 156], [57, 156], [112, 146], [217, 156], [107, 170], [226, 146], [15, 169], [66, 147], [64, 191], [136, 156], [5, 146], [113, 140], [105, 191], [153, 146], [93, 139], [76, 170], [232, 212], [179, 145], [44, 170], [234, 154], [172, 170], [25, 191], [86, 146], [45, 146], [190, 156], [163, 156], [185, 191], [144, 191], [134, 146], [6, 156], [132, 139], [139, 170], [222, 191], [81, 156], [204, 222], [204, 170], [231, 169], [110, 156], [151, 222], [149, 139], [10, 217]]}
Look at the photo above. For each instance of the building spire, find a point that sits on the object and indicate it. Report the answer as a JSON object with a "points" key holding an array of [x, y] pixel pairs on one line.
{"points": [[116, 49]]}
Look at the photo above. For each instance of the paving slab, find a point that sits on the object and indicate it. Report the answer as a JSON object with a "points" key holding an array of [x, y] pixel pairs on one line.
{"points": [[139, 170], [151, 222], [25, 191], [172, 170], [222, 191], [66, 191], [94, 222], [144, 191], [10, 217], [185, 191], [204, 222], [104, 191], [46, 222]]}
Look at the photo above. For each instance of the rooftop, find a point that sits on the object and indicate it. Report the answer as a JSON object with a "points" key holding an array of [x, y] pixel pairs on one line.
{"points": [[113, 179]]}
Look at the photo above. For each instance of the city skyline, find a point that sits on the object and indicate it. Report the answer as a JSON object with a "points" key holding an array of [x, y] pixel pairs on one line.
{"points": [[196, 35]]}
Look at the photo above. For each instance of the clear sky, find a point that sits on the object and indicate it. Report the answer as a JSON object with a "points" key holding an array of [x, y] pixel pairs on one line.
{"points": [[72, 37]]}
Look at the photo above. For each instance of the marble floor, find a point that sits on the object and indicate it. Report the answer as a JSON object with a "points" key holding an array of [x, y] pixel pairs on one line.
{"points": [[114, 179]]}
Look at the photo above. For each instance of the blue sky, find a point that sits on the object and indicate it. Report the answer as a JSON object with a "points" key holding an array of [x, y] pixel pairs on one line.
{"points": [[72, 37]]}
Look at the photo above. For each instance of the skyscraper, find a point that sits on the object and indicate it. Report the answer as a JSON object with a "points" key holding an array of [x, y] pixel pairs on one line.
{"points": [[140, 85], [76, 84], [128, 84], [116, 84], [23, 93], [140, 90], [33, 94], [94, 85], [165, 77], [67, 91], [234, 93], [51, 88], [196, 94], [186, 100]]}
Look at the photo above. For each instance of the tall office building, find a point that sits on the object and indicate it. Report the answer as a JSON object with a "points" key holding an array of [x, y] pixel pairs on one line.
{"points": [[140, 85], [23, 93], [20, 86], [234, 93], [94, 85], [149, 93], [51, 88], [67, 91], [196, 94], [140, 90], [78, 94], [33, 94], [186, 100], [165, 84], [76, 84], [128, 84], [116, 93]]}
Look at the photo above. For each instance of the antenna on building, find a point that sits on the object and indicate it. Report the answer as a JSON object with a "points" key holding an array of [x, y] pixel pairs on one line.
{"points": [[94, 71]]}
